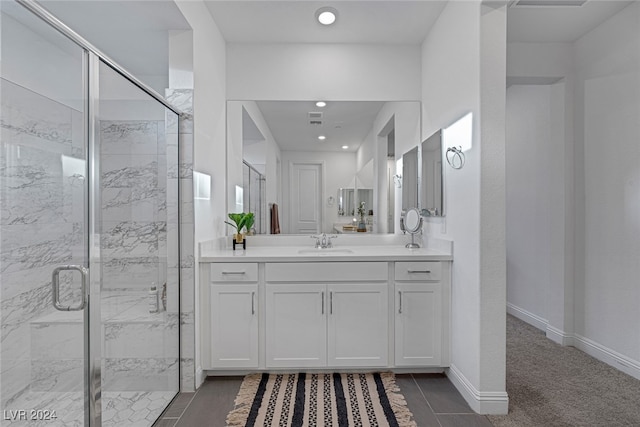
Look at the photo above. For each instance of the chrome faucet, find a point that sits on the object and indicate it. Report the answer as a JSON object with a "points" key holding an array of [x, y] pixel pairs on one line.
{"points": [[323, 241]]}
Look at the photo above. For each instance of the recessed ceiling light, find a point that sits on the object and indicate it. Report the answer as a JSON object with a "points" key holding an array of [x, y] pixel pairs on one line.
{"points": [[344, 147], [321, 104], [322, 137], [326, 15]]}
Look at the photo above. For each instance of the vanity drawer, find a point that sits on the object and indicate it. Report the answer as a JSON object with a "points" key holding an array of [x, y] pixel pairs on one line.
{"points": [[234, 272], [418, 271], [326, 271]]}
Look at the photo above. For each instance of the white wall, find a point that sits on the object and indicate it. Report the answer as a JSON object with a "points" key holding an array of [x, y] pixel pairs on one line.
{"points": [[465, 40], [529, 154], [181, 59], [595, 202], [339, 172], [52, 68], [608, 131], [336, 72], [551, 64]]}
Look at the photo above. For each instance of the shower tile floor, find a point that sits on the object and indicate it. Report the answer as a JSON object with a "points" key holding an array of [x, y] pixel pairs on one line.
{"points": [[131, 409], [56, 364]]}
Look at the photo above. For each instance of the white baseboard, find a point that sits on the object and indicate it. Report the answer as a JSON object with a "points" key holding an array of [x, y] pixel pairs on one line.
{"points": [[527, 316], [559, 336], [592, 348], [608, 356], [482, 402]]}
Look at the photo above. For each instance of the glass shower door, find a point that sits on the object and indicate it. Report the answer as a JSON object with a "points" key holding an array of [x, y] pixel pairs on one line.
{"points": [[137, 149], [43, 224], [89, 269]]}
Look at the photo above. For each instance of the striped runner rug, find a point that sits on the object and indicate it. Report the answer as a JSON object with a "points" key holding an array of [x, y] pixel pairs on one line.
{"points": [[320, 400]]}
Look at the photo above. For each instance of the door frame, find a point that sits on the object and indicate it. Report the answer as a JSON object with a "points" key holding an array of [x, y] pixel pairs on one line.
{"points": [[321, 186]]}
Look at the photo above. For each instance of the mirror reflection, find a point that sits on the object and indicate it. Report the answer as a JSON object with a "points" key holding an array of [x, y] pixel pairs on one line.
{"points": [[432, 198], [346, 201], [322, 169], [410, 179]]}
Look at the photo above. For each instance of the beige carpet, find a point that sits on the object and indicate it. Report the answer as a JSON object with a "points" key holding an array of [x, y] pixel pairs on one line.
{"points": [[320, 400], [550, 385]]}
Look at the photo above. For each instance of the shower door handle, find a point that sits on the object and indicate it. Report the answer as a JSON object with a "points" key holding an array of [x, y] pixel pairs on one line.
{"points": [[55, 283]]}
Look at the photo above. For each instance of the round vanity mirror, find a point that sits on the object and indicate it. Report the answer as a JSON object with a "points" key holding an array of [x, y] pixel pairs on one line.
{"points": [[413, 225], [412, 220]]}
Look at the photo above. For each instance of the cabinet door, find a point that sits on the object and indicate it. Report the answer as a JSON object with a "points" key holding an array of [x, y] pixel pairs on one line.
{"points": [[358, 325], [234, 326], [418, 325], [296, 325]]}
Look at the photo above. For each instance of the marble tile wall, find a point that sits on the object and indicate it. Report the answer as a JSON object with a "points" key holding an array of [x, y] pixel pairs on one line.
{"points": [[182, 99], [43, 208], [42, 212], [139, 245]]}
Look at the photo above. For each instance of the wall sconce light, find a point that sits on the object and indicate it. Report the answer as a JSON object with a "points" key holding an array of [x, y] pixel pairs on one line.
{"points": [[397, 180]]}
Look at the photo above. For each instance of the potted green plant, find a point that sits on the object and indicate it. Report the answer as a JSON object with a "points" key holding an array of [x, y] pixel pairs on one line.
{"points": [[238, 223], [249, 219], [241, 221]]}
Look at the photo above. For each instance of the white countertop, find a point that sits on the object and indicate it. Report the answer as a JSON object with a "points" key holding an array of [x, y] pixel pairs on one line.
{"points": [[309, 254]]}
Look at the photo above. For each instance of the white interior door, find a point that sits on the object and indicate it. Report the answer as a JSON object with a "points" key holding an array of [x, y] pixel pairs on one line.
{"points": [[305, 198]]}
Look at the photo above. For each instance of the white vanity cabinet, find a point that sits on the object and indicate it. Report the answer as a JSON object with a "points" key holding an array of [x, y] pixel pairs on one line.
{"points": [[419, 314], [326, 314], [233, 294], [275, 313]]}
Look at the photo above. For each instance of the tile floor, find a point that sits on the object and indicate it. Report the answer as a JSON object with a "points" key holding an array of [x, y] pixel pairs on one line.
{"points": [[432, 399]]}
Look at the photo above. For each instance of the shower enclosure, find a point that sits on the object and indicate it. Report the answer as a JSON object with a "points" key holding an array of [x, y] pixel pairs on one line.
{"points": [[89, 262], [254, 197]]}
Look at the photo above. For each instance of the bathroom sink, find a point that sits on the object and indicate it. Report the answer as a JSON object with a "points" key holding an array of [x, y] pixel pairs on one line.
{"points": [[326, 251]]}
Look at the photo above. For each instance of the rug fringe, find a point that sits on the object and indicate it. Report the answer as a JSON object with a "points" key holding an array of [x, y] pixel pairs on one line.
{"points": [[397, 401], [238, 416]]}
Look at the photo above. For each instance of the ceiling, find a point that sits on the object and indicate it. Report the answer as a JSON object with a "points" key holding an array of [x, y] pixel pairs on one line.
{"points": [[388, 22], [547, 24], [131, 32], [134, 32], [343, 123]]}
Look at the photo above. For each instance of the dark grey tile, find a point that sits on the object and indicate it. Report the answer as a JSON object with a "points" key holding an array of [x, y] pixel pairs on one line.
{"points": [[178, 405], [422, 413], [166, 422], [443, 397], [212, 402], [463, 420]]}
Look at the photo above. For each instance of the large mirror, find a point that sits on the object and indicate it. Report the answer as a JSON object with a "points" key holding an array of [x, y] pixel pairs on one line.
{"points": [[432, 198], [346, 201], [305, 177], [410, 179]]}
